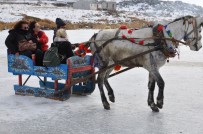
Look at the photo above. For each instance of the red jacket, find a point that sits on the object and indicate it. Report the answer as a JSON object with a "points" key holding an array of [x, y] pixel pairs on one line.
{"points": [[43, 39]]}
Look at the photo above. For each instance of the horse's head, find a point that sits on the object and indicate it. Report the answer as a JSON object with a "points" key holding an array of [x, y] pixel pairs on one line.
{"points": [[192, 32], [187, 28]]}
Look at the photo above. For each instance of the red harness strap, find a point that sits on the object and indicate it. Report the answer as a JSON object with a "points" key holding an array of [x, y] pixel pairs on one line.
{"points": [[82, 50]]}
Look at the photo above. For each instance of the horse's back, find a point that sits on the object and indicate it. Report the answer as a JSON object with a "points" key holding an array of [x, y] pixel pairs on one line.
{"points": [[138, 33]]}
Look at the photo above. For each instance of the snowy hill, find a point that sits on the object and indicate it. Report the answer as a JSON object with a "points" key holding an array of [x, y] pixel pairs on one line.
{"points": [[156, 9], [151, 10]]}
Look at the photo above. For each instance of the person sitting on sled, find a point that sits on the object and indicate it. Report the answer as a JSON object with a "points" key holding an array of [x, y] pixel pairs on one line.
{"points": [[59, 24], [40, 35], [21, 42], [64, 46]]}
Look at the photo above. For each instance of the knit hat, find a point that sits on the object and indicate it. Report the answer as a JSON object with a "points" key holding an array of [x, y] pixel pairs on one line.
{"points": [[61, 33], [60, 22]]}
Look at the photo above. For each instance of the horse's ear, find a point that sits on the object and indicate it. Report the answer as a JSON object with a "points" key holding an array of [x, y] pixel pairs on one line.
{"points": [[190, 20], [197, 16], [184, 22]]}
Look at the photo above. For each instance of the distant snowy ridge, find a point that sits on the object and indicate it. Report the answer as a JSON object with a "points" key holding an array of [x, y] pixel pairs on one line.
{"points": [[150, 10], [160, 10]]}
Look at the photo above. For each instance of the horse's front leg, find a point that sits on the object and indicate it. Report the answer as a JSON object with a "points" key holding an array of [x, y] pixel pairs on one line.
{"points": [[160, 82], [110, 91], [100, 80], [108, 87], [150, 100]]}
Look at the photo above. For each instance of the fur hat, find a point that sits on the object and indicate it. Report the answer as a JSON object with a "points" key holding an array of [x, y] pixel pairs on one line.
{"points": [[61, 33], [60, 22]]}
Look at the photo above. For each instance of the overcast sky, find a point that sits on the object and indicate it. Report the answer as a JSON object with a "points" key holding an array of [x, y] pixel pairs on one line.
{"points": [[196, 2]]}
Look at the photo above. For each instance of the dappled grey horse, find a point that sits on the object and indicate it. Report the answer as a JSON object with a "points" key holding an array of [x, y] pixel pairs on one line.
{"points": [[111, 45]]}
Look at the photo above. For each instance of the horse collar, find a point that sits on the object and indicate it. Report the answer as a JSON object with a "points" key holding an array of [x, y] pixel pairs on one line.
{"points": [[168, 31], [158, 32]]}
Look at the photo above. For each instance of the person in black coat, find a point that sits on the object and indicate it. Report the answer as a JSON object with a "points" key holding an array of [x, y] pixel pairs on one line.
{"points": [[64, 46], [59, 24], [20, 33]]}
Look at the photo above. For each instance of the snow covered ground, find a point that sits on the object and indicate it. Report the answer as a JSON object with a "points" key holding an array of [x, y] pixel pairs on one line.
{"points": [[14, 12], [161, 12], [182, 112]]}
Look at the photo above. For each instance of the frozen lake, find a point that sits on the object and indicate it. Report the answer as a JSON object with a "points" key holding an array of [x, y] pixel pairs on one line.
{"points": [[182, 111]]}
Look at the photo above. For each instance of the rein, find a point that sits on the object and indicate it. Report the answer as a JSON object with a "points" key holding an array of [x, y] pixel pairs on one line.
{"points": [[160, 38], [153, 37], [82, 79], [164, 50]]}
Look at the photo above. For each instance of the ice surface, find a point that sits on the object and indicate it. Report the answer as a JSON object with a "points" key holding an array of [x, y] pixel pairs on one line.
{"points": [[182, 111]]}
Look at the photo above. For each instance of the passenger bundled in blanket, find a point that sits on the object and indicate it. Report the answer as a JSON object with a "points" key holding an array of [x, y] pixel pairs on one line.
{"points": [[21, 42]]}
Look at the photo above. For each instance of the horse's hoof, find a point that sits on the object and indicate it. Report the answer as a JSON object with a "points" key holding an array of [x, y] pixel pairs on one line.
{"points": [[111, 98], [154, 107], [106, 105], [160, 104]]}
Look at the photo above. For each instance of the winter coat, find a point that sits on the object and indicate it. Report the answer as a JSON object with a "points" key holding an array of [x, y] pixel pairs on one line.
{"points": [[64, 48], [15, 36], [43, 40], [54, 36]]}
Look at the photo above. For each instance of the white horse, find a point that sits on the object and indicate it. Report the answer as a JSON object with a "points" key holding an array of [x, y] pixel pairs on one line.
{"points": [[112, 45]]}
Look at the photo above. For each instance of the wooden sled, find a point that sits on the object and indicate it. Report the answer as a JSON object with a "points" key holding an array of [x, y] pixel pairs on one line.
{"points": [[76, 67]]}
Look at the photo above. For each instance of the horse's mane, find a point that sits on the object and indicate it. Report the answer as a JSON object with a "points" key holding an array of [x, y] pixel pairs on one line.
{"points": [[182, 18]]}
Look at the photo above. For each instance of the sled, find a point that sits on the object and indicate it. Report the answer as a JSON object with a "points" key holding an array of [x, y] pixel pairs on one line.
{"points": [[76, 67]]}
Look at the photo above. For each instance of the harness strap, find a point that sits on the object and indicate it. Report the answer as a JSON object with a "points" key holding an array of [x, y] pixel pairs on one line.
{"points": [[159, 33], [96, 54], [118, 31], [99, 48], [195, 30]]}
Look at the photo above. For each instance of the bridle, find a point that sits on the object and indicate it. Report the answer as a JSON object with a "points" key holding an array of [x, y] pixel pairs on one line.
{"points": [[193, 21]]}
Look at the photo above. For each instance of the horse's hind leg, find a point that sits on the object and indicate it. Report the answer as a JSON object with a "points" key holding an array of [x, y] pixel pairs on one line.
{"points": [[151, 86], [100, 80], [161, 84], [108, 87]]}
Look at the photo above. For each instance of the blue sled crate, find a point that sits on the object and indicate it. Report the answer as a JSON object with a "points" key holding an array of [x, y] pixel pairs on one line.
{"points": [[76, 67]]}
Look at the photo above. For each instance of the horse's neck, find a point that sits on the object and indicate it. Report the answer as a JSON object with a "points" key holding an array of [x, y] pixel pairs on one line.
{"points": [[177, 30], [106, 34]]}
